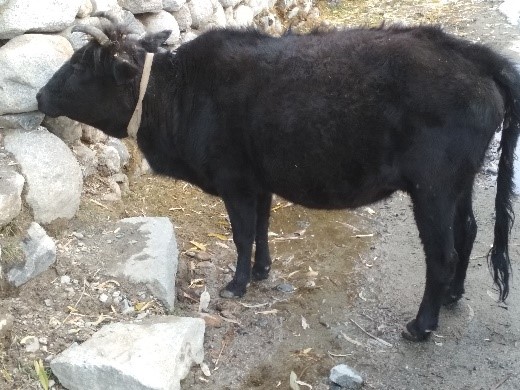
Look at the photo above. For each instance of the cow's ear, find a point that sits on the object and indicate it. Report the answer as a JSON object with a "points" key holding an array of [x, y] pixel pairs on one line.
{"points": [[124, 71], [151, 42]]}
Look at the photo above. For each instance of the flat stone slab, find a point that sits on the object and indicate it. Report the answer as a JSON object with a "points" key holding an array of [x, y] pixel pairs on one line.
{"points": [[153, 355], [154, 263]]}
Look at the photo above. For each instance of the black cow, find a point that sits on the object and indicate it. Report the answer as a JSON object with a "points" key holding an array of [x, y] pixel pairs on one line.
{"points": [[328, 120]]}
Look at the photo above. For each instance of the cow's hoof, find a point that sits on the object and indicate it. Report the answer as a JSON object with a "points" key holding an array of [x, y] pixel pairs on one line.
{"points": [[260, 273], [412, 333], [232, 291]]}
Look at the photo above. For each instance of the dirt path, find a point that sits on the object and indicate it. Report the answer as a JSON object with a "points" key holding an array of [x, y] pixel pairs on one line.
{"points": [[338, 272]]}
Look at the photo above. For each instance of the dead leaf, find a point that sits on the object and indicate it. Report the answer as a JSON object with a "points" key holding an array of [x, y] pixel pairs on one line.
{"points": [[292, 381], [205, 369], [305, 325], [217, 235], [194, 283], [198, 245]]}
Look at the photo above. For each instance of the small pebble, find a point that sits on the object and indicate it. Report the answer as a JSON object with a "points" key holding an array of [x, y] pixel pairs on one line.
{"points": [[65, 279], [285, 287], [103, 297]]}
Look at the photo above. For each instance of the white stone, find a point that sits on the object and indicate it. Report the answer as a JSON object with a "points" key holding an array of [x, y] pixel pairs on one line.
{"points": [[53, 175], [160, 21], [11, 186], [258, 5], [346, 377], [67, 129], [141, 6], [229, 3], [20, 16], [85, 9], [243, 16], [87, 159], [189, 36], [201, 12], [40, 253], [156, 264], [153, 355], [183, 17], [173, 5], [27, 63], [105, 5], [218, 19], [511, 9], [109, 161]]}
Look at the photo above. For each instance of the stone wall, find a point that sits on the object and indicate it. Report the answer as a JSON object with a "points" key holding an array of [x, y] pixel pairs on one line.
{"points": [[36, 39]]}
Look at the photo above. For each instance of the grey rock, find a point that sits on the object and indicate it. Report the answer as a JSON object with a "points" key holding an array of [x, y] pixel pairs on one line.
{"points": [[87, 159], [201, 12], [160, 21], [183, 17], [6, 326], [20, 16], [68, 130], [173, 5], [11, 186], [156, 264], [141, 6], [109, 161], [229, 3], [345, 377], [91, 135], [155, 354], [27, 63], [53, 175], [40, 253], [285, 287], [25, 120], [122, 150]]}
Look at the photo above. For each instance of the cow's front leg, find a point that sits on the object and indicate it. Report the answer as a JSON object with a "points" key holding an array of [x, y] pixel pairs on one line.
{"points": [[262, 264], [242, 214]]}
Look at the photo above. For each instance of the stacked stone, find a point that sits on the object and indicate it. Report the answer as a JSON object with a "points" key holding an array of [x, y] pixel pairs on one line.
{"points": [[36, 39]]}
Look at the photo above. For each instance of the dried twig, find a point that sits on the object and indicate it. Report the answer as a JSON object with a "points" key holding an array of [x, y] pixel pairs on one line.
{"points": [[501, 382], [385, 343]]}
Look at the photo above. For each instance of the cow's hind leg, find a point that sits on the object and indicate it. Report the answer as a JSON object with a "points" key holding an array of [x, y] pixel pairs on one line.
{"points": [[434, 214], [465, 231], [242, 214], [262, 264]]}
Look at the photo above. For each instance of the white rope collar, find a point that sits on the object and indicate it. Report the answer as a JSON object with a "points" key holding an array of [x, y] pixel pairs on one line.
{"points": [[135, 120]]}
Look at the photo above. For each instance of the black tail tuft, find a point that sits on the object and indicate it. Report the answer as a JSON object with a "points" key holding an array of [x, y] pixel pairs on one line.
{"points": [[498, 256]]}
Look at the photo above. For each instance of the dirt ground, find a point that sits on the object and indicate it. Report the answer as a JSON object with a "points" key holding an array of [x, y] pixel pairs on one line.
{"points": [[343, 284]]}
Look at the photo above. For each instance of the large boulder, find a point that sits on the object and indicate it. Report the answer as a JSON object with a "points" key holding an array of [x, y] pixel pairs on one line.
{"points": [[20, 16], [27, 63], [53, 175], [152, 355]]}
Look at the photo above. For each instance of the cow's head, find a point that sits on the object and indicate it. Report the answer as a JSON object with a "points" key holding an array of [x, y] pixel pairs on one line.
{"points": [[99, 85]]}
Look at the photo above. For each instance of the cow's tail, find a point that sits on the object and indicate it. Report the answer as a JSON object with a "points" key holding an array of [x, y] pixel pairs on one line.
{"points": [[498, 257]]}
